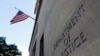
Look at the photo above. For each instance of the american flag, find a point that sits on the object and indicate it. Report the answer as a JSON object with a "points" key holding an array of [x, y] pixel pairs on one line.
{"points": [[20, 16]]}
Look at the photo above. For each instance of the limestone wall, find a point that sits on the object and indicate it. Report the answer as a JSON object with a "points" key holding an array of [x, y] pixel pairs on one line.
{"points": [[72, 28]]}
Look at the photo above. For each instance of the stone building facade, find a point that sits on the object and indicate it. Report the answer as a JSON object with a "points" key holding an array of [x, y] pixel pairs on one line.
{"points": [[66, 28]]}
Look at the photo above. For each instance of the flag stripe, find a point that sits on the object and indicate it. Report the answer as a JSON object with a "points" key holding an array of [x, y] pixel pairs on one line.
{"points": [[18, 20], [20, 16]]}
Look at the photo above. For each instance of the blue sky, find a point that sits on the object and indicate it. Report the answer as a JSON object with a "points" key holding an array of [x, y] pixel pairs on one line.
{"points": [[18, 33]]}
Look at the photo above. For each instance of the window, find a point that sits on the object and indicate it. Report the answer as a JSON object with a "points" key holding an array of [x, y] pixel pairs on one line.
{"points": [[42, 46]]}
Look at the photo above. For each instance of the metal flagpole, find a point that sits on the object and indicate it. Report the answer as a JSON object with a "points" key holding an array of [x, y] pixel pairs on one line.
{"points": [[25, 13]]}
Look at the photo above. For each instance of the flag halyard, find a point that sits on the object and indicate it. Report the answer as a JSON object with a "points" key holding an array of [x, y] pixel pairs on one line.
{"points": [[20, 16]]}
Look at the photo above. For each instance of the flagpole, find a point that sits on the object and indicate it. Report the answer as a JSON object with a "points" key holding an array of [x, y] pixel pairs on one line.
{"points": [[25, 13]]}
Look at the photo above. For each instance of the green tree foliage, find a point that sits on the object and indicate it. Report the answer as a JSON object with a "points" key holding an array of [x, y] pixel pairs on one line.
{"points": [[8, 50]]}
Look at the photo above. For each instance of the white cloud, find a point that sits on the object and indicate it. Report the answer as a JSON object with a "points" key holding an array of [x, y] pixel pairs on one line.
{"points": [[23, 50]]}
